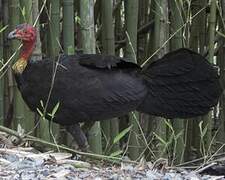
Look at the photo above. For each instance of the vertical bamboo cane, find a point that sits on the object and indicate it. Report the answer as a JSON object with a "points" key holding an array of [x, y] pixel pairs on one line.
{"points": [[43, 130], [131, 19], [14, 19], [212, 27], [68, 26], [161, 33], [221, 55], [177, 42], [197, 43], [1, 61], [26, 7], [110, 127], [26, 17], [54, 28], [88, 44]]}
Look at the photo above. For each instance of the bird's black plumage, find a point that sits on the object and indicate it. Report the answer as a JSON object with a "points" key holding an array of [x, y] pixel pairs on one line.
{"points": [[181, 84], [91, 87], [97, 87], [88, 87]]}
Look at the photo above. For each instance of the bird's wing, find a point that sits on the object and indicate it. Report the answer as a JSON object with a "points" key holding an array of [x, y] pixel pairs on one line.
{"points": [[85, 92], [98, 91], [105, 61]]}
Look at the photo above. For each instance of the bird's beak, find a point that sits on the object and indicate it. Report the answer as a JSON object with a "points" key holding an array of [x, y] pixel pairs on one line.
{"points": [[12, 35]]}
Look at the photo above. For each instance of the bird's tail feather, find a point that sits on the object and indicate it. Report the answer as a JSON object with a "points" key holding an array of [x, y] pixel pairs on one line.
{"points": [[181, 84]]}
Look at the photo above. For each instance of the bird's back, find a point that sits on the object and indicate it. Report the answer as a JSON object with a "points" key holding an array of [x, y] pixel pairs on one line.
{"points": [[85, 88]]}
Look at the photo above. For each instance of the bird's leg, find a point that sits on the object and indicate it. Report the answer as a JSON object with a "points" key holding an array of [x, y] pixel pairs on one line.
{"points": [[78, 136], [87, 126]]}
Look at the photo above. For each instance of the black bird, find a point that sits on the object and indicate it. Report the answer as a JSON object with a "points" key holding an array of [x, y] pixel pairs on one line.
{"points": [[92, 87]]}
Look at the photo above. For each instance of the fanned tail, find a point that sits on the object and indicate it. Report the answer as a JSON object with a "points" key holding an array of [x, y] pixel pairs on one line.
{"points": [[182, 84]]}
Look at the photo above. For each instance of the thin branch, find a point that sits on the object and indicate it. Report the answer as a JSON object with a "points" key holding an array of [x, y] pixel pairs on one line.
{"points": [[62, 147], [178, 30]]}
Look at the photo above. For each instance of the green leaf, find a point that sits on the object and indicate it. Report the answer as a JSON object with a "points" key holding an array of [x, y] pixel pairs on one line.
{"points": [[159, 138], [77, 19], [50, 114], [221, 34], [23, 11], [55, 109], [116, 153], [204, 131], [39, 112], [121, 134], [42, 104], [168, 123], [179, 134], [4, 28]]}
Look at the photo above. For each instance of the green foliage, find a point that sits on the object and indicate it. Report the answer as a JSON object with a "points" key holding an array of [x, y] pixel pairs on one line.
{"points": [[42, 111], [23, 12], [55, 109], [4, 28], [116, 153], [203, 131], [169, 145], [77, 19], [122, 134]]}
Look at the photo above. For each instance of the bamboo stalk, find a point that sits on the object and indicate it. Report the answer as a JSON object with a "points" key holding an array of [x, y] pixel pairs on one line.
{"points": [[14, 19], [143, 19], [26, 17], [54, 50], [88, 45], [212, 25], [221, 63], [197, 43], [221, 130], [118, 27], [54, 28], [1, 61], [110, 128], [131, 19], [42, 130], [177, 42], [68, 26], [108, 47], [26, 11], [161, 33]]}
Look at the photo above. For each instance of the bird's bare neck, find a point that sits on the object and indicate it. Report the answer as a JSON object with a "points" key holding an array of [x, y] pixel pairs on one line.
{"points": [[25, 54], [27, 50]]}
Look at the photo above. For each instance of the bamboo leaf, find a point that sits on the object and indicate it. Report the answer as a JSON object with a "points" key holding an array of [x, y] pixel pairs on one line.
{"points": [[4, 28], [203, 131], [23, 11], [169, 125], [179, 134], [160, 139], [39, 112], [121, 134], [55, 109], [42, 104], [77, 19], [116, 153], [221, 34]]}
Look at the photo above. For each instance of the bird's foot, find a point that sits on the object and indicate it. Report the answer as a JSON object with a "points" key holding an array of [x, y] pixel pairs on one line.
{"points": [[79, 139]]}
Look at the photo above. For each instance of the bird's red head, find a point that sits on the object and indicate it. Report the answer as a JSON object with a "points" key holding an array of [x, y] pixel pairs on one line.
{"points": [[27, 34], [24, 32]]}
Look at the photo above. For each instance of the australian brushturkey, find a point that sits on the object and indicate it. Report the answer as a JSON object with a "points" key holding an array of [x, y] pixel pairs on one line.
{"points": [[92, 87]]}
